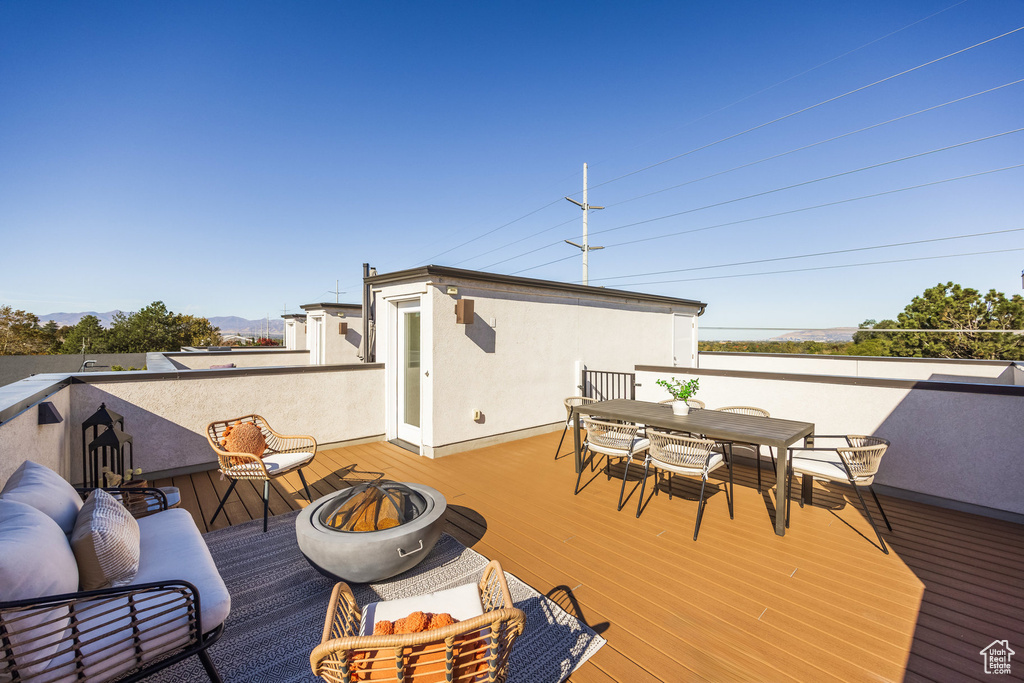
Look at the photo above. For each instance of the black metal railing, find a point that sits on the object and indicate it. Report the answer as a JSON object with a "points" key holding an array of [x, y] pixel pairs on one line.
{"points": [[604, 385]]}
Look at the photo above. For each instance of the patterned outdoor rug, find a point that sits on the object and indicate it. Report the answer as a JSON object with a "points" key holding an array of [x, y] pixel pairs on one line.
{"points": [[278, 605]]}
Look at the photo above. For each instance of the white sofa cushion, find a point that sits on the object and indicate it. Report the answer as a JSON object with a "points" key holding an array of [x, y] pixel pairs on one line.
{"points": [[462, 602], [35, 561], [45, 490], [174, 550], [106, 543]]}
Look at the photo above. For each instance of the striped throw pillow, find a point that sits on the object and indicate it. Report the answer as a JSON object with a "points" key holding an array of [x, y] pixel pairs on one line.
{"points": [[106, 543]]}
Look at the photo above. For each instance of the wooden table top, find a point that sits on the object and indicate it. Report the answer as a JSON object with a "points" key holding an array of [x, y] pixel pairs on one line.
{"points": [[768, 431]]}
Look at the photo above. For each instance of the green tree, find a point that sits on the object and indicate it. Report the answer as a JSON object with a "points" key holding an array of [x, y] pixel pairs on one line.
{"points": [[154, 328], [196, 331], [20, 333], [88, 336], [967, 311]]}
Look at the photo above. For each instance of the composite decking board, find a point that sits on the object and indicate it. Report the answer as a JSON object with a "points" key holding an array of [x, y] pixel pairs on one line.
{"points": [[766, 645], [518, 467], [510, 550], [725, 586]]}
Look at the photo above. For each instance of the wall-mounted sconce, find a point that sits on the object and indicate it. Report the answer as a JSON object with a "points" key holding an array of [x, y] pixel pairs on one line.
{"points": [[48, 414], [464, 312], [452, 291], [342, 328]]}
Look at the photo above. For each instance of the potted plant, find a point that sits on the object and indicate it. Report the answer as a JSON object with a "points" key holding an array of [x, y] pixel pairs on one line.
{"points": [[680, 392]]}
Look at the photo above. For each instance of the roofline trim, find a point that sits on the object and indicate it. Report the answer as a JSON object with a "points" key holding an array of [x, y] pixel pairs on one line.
{"points": [[569, 288]]}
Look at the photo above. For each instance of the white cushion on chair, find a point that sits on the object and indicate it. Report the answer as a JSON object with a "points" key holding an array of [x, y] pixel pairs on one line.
{"points": [[639, 446], [717, 460], [282, 462], [462, 602], [831, 470]]}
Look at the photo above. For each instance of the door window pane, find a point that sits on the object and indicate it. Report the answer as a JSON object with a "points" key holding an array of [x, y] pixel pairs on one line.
{"points": [[411, 368]]}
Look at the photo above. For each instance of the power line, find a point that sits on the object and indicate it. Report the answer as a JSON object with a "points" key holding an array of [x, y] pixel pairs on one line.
{"points": [[712, 113], [814, 68], [809, 108], [815, 144], [780, 213], [815, 180], [816, 254], [816, 268], [735, 168]]}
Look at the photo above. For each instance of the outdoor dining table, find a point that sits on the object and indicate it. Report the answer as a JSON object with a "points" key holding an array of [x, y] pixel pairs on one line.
{"points": [[713, 424]]}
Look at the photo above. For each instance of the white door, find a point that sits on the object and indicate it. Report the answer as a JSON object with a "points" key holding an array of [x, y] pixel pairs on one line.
{"points": [[407, 345], [684, 343], [315, 338]]}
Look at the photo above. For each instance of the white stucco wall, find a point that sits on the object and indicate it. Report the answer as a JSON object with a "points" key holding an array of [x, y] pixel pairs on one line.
{"points": [[958, 445], [22, 438], [295, 334], [202, 360], [168, 417], [518, 360], [339, 349], [987, 372]]}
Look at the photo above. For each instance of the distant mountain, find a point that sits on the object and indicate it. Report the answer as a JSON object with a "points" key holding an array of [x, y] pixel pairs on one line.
{"points": [[72, 318], [228, 324], [832, 334]]}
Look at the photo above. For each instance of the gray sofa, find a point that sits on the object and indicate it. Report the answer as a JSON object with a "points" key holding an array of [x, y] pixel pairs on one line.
{"points": [[51, 631]]}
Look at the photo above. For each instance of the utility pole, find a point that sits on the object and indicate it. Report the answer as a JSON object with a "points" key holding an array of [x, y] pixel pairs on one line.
{"points": [[585, 247], [336, 292]]}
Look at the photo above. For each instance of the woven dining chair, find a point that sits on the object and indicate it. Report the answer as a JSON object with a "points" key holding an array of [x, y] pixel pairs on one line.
{"points": [[612, 440], [759, 412], [571, 403], [283, 454], [689, 456], [856, 463]]}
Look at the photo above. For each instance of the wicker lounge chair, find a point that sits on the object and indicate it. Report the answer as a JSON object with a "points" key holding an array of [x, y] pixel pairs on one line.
{"points": [[282, 455], [474, 649]]}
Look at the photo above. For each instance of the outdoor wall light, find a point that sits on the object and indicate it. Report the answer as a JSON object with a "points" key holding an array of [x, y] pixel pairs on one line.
{"points": [[343, 328], [48, 414], [464, 312], [452, 291]]}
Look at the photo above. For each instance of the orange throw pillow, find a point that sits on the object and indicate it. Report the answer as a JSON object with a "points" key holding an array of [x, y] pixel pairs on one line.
{"points": [[245, 438], [421, 667]]}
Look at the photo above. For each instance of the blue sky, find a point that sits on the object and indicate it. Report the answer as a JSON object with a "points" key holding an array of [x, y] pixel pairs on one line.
{"points": [[233, 158]]}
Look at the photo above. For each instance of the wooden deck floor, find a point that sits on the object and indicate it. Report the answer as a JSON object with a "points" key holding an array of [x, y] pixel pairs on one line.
{"points": [[740, 604]]}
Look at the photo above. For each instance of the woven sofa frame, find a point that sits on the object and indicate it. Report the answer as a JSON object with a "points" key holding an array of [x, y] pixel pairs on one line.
{"points": [[476, 649], [158, 599]]}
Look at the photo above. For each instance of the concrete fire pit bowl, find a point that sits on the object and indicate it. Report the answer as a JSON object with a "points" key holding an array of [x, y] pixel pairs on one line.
{"points": [[368, 556]]}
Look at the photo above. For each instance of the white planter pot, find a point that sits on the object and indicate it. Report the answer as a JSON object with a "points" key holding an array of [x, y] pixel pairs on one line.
{"points": [[680, 407]]}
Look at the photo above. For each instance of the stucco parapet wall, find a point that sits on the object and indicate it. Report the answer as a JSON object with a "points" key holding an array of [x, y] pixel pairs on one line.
{"points": [[891, 359], [23, 394], [147, 376], [438, 273], [924, 384]]}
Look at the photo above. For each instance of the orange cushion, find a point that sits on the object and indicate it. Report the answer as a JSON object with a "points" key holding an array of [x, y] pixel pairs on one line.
{"points": [[245, 437]]}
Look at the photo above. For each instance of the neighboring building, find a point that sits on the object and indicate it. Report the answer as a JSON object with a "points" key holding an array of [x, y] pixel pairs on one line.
{"points": [[295, 331], [333, 333], [469, 355]]}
